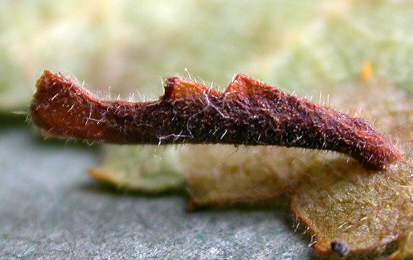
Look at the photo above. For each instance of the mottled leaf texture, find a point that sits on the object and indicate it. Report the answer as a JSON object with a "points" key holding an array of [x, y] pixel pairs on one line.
{"points": [[222, 175], [339, 201]]}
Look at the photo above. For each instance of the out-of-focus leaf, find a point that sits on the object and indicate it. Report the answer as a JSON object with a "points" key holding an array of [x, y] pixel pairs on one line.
{"points": [[149, 169], [330, 49], [129, 45], [224, 174]]}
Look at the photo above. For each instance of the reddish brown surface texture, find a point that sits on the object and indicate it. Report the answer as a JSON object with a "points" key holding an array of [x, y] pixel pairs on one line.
{"points": [[247, 113]]}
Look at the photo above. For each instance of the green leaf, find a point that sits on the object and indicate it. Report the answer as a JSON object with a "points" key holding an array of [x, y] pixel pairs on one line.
{"points": [[147, 169]]}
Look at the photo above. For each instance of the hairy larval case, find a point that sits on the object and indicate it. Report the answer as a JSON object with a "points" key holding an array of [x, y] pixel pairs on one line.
{"points": [[247, 113]]}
